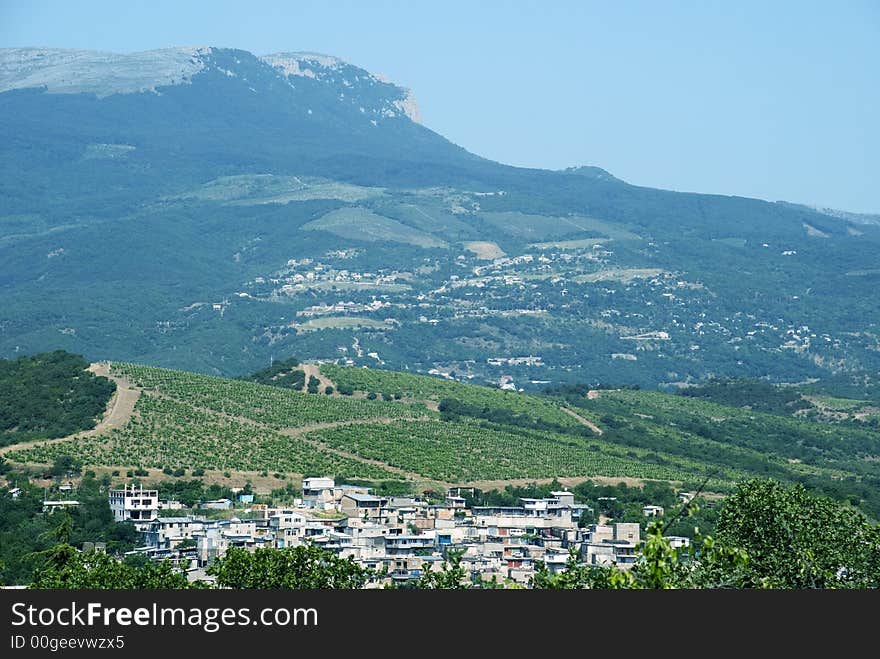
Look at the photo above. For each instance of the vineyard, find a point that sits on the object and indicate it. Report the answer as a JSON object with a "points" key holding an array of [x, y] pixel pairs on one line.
{"points": [[462, 452], [190, 421], [271, 406], [836, 459], [169, 433], [421, 387]]}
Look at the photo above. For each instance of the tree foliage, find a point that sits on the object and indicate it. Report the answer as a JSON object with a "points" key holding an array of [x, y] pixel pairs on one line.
{"points": [[283, 374], [26, 532], [798, 540], [768, 536], [299, 568], [66, 568], [49, 395], [450, 576]]}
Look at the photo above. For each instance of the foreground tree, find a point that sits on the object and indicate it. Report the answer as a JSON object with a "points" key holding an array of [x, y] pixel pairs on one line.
{"points": [[798, 540], [69, 569], [450, 576], [767, 536], [298, 568]]}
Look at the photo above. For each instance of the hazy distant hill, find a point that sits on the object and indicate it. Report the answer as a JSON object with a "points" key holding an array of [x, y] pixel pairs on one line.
{"points": [[208, 209]]}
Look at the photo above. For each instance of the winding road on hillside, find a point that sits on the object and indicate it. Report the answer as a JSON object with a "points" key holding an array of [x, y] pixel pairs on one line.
{"points": [[589, 424], [119, 410], [314, 370]]}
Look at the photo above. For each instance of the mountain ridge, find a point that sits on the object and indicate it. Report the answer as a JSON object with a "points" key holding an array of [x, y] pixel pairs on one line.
{"points": [[71, 71], [246, 214]]}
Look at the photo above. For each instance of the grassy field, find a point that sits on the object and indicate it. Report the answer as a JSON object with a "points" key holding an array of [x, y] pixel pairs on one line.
{"points": [[583, 243], [484, 250], [619, 274], [254, 189], [340, 322], [543, 228], [362, 224]]}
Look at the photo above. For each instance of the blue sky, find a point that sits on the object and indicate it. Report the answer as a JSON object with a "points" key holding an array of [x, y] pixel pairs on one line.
{"points": [[776, 100]]}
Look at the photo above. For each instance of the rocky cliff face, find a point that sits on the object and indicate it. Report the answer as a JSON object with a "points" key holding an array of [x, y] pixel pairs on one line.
{"points": [[353, 84], [64, 71]]}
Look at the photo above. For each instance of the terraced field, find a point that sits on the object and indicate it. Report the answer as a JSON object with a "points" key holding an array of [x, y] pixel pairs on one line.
{"points": [[168, 433], [271, 406], [420, 387], [464, 452], [439, 431]]}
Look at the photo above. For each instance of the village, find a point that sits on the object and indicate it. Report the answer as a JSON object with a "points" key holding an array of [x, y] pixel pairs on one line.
{"points": [[642, 315], [400, 537]]}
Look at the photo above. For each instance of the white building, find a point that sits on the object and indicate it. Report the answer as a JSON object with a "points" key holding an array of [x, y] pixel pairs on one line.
{"points": [[134, 504]]}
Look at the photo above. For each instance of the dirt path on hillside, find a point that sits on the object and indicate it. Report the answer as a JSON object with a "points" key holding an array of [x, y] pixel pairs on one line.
{"points": [[321, 446], [315, 370], [119, 410], [589, 424], [121, 407]]}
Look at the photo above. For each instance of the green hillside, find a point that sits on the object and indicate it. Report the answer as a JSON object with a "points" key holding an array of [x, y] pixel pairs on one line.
{"points": [[422, 429], [160, 228]]}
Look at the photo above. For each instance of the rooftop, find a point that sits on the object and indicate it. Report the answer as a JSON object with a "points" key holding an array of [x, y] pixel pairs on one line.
{"points": [[364, 498]]}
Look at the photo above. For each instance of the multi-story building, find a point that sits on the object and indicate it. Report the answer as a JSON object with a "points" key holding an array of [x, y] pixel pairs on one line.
{"points": [[134, 504]]}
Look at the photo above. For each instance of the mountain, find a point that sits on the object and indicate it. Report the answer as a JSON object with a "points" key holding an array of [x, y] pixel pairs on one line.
{"points": [[208, 209], [853, 218]]}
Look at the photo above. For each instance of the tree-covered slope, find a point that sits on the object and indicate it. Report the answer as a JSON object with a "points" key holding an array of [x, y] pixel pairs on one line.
{"points": [[49, 395]]}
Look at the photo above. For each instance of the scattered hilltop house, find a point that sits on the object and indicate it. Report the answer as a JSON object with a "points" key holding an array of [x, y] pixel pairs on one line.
{"points": [[322, 493], [15, 492], [168, 532], [559, 505], [217, 504], [454, 498], [686, 497], [288, 525], [455, 501], [652, 511], [100, 547], [406, 544], [617, 545], [364, 505], [677, 541], [627, 532], [52, 506], [134, 504]]}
